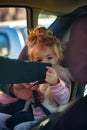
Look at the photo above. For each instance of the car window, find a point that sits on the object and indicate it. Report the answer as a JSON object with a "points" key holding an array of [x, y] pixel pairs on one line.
{"points": [[4, 44], [46, 20], [13, 27], [23, 30]]}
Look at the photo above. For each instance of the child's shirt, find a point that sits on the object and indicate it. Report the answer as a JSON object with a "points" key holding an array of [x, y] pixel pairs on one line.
{"points": [[54, 97]]}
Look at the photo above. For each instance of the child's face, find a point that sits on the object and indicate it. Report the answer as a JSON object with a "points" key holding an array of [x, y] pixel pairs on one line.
{"points": [[45, 55]]}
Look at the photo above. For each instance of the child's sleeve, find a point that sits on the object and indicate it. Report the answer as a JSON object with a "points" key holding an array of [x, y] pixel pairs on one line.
{"points": [[61, 92]]}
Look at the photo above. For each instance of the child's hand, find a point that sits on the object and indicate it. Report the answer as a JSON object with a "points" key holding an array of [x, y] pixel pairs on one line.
{"points": [[51, 76]]}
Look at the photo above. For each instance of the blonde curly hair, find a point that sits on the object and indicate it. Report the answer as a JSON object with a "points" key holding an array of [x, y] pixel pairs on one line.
{"points": [[45, 38]]}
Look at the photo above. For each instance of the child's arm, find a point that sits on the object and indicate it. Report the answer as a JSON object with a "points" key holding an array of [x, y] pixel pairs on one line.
{"points": [[60, 89], [61, 92]]}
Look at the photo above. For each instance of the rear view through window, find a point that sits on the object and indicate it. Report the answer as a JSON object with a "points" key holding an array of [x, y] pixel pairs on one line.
{"points": [[46, 20], [13, 31]]}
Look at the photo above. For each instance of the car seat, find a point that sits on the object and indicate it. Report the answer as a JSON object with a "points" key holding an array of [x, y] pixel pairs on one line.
{"points": [[24, 53]]}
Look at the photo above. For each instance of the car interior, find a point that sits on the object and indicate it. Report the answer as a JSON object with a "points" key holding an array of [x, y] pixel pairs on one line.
{"points": [[66, 13]]}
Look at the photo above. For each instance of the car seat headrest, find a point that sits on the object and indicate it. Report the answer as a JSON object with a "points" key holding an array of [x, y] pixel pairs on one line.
{"points": [[24, 53], [77, 49]]}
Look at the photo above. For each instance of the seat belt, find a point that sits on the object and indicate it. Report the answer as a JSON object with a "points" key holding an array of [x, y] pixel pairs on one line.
{"points": [[38, 103]]}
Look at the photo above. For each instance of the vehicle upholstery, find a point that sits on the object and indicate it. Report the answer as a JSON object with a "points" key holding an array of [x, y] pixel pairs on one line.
{"points": [[61, 6]]}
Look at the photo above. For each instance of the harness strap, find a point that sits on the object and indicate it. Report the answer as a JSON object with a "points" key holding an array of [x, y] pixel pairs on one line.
{"points": [[37, 103]]}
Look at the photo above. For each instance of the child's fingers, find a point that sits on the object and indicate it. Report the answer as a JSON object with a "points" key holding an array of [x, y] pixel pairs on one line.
{"points": [[50, 69]]}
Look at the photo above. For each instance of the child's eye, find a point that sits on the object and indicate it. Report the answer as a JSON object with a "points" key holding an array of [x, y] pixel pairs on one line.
{"points": [[49, 58]]}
